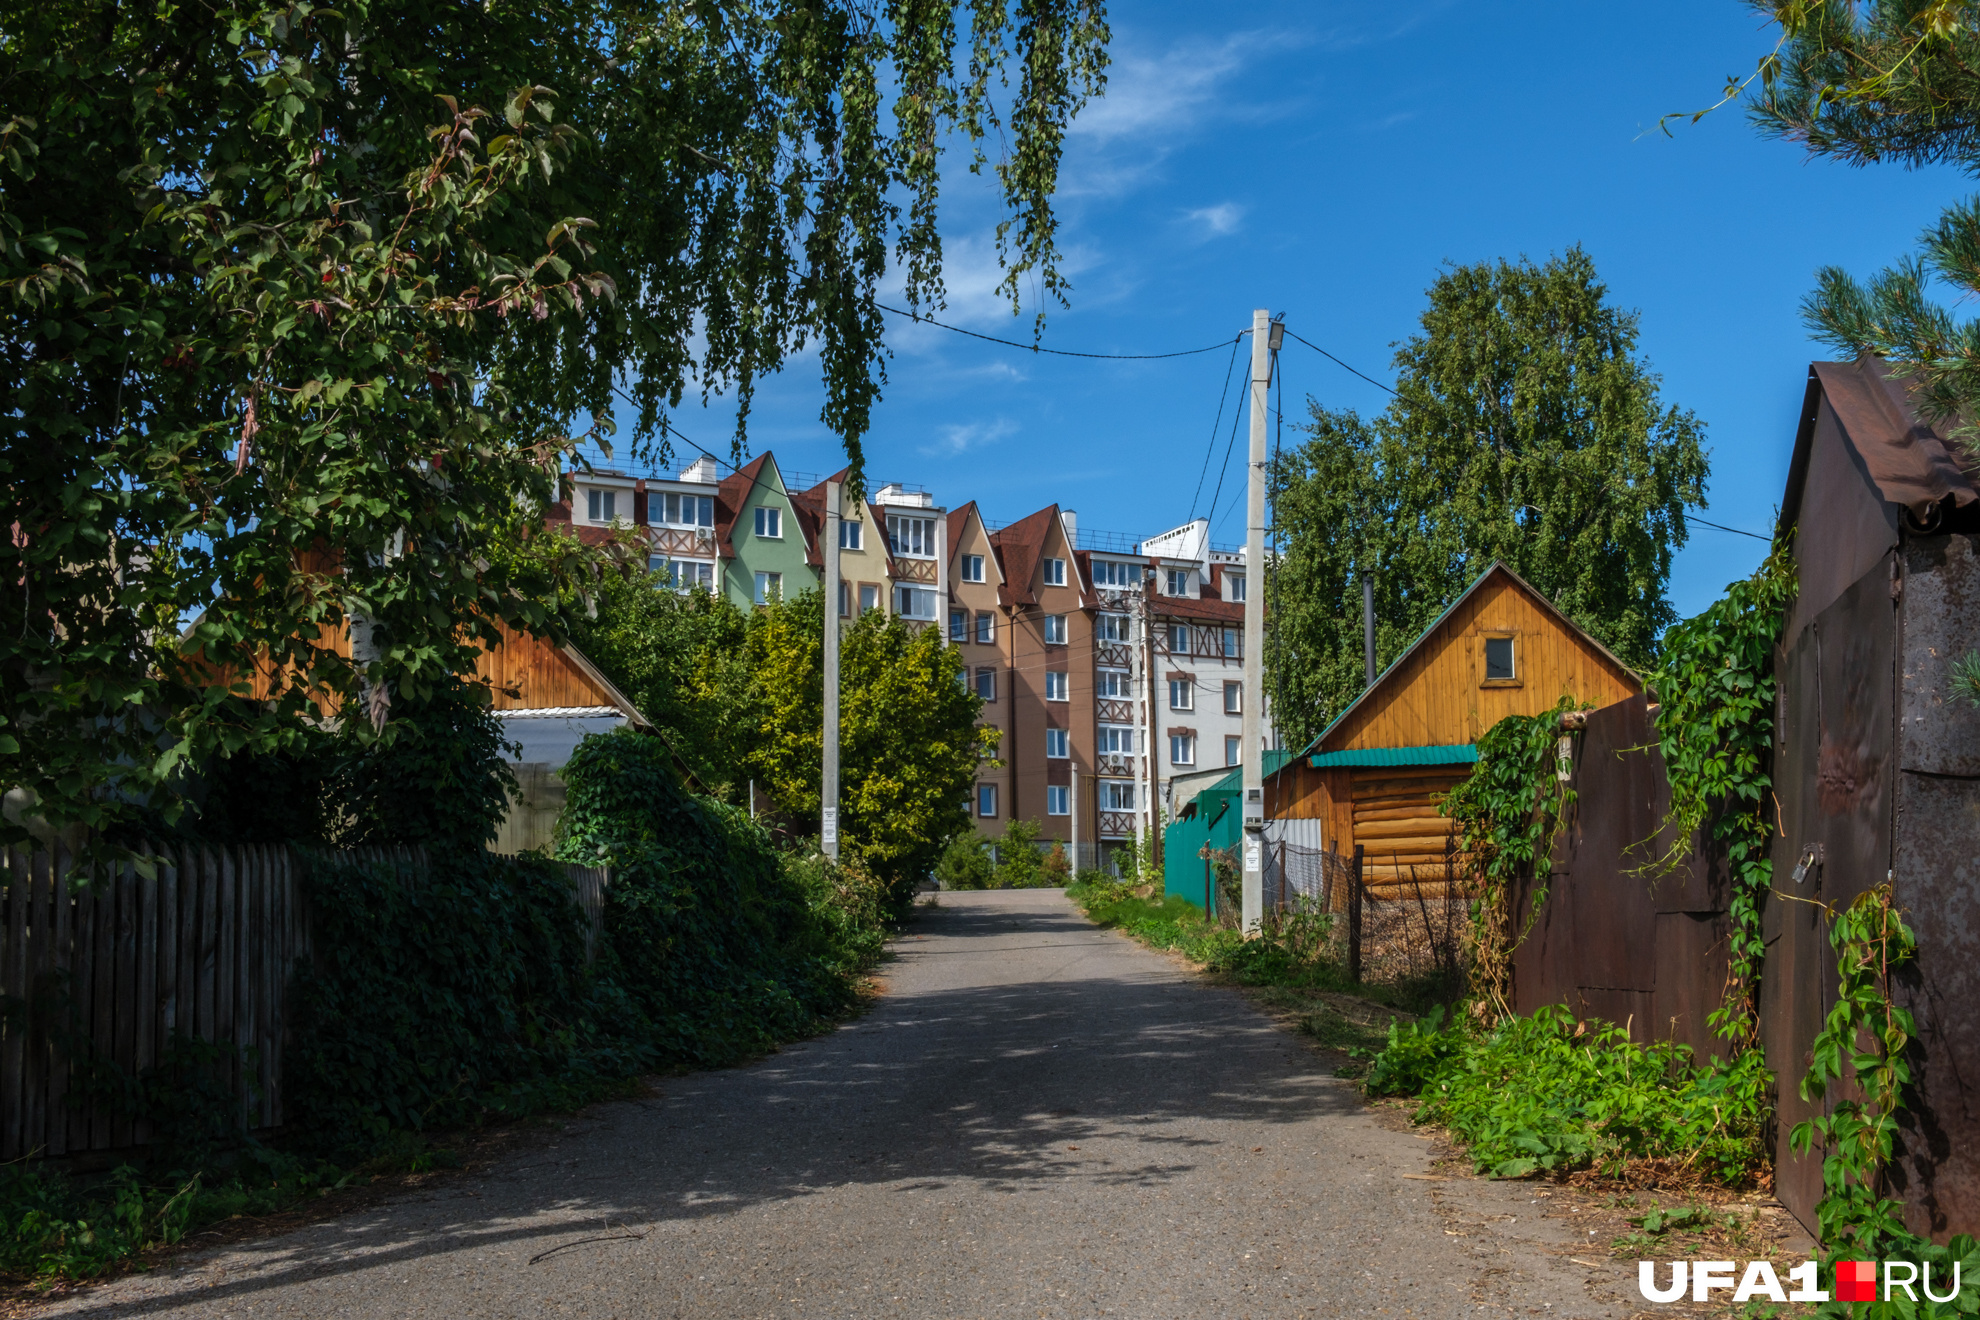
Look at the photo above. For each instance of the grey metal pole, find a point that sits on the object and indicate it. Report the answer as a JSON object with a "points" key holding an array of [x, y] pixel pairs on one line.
{"points": [[1253, 883], [828, 796], [1368, 625]]}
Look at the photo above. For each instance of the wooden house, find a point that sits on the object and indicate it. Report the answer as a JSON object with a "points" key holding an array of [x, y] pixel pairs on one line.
{"points": [[1374, 776]]}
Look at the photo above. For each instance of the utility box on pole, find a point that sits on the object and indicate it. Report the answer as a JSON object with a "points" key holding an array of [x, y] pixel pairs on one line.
{"points": [[828, 797], [1252, 846]]}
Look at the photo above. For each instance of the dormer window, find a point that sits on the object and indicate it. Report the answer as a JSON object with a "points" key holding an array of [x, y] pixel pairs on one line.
{"points": [[602, 505], [1178, 579], [1234, 586], [1501, 667], [1055, 572]]}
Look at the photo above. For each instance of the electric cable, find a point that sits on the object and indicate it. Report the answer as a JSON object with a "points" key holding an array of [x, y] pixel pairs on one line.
{"points": [[1215, 427], [1342, 365], [1692, 517], [1059, 352]]}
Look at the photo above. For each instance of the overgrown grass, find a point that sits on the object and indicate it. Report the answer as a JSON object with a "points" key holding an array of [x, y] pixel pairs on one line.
{"points": [[1551, 1093]]}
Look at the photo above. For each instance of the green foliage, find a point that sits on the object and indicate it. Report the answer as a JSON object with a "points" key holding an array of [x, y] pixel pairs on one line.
{"points": [[1019, 864], [1525, 429], [301, 302], [1506, 814], [1966, 678], [966, 863], [51, 1229], [1715, 727], [1548, 1092]]}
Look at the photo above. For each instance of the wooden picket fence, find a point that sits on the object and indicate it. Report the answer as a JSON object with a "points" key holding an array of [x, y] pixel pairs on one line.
{"points": [[103, 975]]}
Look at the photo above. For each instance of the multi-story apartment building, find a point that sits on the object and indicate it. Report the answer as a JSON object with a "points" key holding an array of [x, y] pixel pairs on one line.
{"points": [[977, 626], [1196, 606]]}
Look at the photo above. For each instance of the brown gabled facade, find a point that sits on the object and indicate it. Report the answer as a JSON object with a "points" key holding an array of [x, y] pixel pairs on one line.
{"points": [[1047, 650]]}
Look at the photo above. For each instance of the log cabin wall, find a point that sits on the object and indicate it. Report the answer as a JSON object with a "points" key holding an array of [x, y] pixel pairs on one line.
{"points": [[1392, 814]]}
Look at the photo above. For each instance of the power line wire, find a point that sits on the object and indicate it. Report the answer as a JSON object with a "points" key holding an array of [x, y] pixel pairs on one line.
{"points": [[1058, 352], [1342, 365], [1692, 517], [1215, 427]]}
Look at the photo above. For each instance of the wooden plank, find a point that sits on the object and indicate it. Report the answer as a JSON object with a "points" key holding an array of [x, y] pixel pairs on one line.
{"points": [[277, 977], [144, 1003], [61, 958], [1411, 811], [82, 991], [39, 1068], [13, 982], [256, 998], [103, 995], [125, 997], [226, 935], [168, 946], [206, 936], [1421, 823]]}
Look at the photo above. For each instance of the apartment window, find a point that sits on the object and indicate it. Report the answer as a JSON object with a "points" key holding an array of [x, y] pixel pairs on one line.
{"points": [[1233, 751], [1182, 694], [602, 505], [986, 628], [1178, 579], [1233, 644], [1499, 660], [914, 603], [1112, 684], [958, 625], [869, 597], [1055, 629], [1114, 573], [1058, 743], [1233, 586], [769, 522], [849, 533], [911, 536], [1055, 685], [1115, 740], [1116, 795], [1110, 628], [769, 587], [1055, 572], [1182, 749], [1178, 638], [986, 684], [986, 799], [1233, 698], [658, 564], [684, 510], [845, 600], [1058, 800], [683, 574], [972, 568]]}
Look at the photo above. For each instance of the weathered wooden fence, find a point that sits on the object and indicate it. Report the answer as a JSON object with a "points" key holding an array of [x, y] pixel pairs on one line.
{"points": [[97, 979]]}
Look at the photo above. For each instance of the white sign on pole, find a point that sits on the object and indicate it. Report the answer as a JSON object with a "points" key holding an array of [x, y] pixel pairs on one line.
{"points": [[831, 826]]}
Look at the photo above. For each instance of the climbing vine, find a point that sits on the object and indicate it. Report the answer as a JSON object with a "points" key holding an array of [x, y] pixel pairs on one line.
{"points": [[1715, 726], [1506, 813]]}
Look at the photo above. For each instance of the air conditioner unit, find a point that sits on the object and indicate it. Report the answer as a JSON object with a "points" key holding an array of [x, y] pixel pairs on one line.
{"points": [[704, 533]]}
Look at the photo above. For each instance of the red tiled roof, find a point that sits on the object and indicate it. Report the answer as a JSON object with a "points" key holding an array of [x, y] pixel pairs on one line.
{"points": [[730, 494], [1019, 548]]}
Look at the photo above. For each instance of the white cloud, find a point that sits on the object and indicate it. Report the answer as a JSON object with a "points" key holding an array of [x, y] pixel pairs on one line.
{"points": [[956, 440], [1223, 218]]}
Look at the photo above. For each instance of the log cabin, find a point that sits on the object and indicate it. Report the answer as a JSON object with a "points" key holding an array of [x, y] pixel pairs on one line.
{"points": [[1376, 774]]}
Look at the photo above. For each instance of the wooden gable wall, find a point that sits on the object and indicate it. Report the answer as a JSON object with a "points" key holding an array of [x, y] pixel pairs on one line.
{"points": [[1436, 699]]}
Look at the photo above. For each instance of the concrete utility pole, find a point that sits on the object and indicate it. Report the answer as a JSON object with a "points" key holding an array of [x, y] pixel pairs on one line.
{"points": [[1264, 334], [828, 812]]}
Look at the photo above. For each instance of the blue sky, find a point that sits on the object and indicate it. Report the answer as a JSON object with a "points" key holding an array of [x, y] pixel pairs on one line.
{"points": [[1323, 160]]}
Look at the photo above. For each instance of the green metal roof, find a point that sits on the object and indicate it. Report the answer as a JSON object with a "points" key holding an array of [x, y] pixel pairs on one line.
{"points": [[1461, 754], [1234, 781]]}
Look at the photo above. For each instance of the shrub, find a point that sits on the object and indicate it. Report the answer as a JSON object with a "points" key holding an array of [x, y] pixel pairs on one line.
{"points": [[1019, 865], [966, 864]]}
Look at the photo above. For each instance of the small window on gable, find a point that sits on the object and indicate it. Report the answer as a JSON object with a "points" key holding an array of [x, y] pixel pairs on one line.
{"points": [[1499, 661], [972, 568], [1055, 572]]}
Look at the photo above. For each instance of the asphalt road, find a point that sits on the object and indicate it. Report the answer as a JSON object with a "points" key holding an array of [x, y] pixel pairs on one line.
{"points": [[1039, 1119]]}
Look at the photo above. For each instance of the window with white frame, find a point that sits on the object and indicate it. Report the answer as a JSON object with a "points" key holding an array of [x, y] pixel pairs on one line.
{"points": [[1058, 800], [958, 625], [986, 799], [1233, 586], [1116, 795], [1110, 628], [1114, 740], [1233, 644], [914, 537], [769, 587], [1233, 698], [986, 684], [972, 568], [683, 574], [602, 505], [986, 628], [914, 602], [1182, 694], [1233, 750], [869, 597], [769, 522], [658, 564], [1058, 743], [1055, 629], [1182, 749], [1178, 634], [1113, 573], [850, 533], [678, 510], [1113, 684], [1178, 581], [1055, 685], [1055, 572]]}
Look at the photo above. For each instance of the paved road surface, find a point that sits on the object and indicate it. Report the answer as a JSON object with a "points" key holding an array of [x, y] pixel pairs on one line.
{"points": [[1040, 1119]]}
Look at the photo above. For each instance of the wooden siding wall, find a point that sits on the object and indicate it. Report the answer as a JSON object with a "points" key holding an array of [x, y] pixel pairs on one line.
{"points": [[538, 674], [1436, 699], [1393, 817]]}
